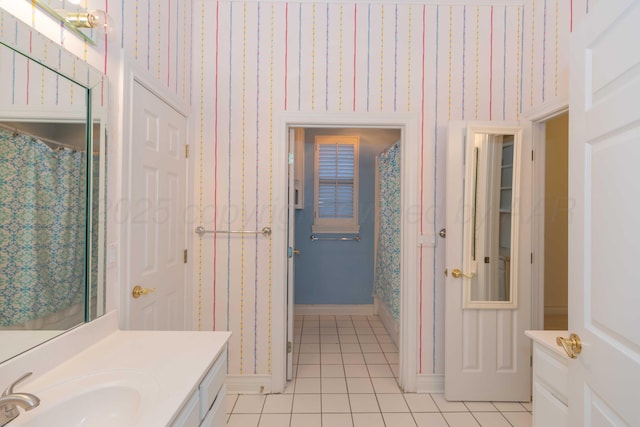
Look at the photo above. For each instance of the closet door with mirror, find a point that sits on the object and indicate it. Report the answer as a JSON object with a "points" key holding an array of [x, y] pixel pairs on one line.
{"points": [[487, 293]]}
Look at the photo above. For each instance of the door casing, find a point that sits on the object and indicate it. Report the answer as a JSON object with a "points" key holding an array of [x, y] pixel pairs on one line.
{"points": [[538, 119], [409, 126]]}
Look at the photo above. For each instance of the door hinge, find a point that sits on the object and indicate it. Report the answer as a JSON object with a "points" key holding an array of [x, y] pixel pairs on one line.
{"points": [[289, 347], [185, 256], [530, 360], [186, 151], [532, 155], [531, 257]]}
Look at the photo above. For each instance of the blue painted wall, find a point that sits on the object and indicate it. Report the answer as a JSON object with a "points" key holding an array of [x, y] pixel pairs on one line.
{"points": [[329, 272]]}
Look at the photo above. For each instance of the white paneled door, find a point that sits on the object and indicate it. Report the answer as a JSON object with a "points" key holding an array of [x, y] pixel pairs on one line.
{"points": [[487, 356], [157, 214], [604, 224], [294, 133]]}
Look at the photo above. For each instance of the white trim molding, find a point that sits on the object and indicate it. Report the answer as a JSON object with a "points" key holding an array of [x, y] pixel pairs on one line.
{"points": [[335, 309], [547, 111], [248, 384], [430, 383], [538, 118], [409, 124]]}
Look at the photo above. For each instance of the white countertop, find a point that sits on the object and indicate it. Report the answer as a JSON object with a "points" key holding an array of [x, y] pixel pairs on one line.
{"points": [[168, 366], [174, 362], [547, 339]]}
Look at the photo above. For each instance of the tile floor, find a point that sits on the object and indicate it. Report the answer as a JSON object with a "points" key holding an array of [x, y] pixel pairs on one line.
{"points": [[345, 376]]}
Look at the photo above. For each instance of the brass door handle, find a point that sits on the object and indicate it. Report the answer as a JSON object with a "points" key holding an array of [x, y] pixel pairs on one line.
{"points": [[572, 345], [456, 273], [296, 251], [138, 291]]}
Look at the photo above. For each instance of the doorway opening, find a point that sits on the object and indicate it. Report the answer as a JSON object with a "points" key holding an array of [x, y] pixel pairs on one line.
{"points": [[347, 248], [551, 222], [408, 127]]}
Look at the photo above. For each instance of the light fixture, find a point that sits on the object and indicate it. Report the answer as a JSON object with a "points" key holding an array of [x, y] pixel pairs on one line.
{"points": [[95, 19], [77, 19]]}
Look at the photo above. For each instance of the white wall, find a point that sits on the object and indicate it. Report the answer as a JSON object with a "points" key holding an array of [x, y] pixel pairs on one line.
{"points": [[252, 60], [442, 61]]}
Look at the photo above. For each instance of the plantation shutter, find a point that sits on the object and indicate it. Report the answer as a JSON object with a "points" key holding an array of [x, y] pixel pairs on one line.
{"points": [[336, 184], [336, 172]]}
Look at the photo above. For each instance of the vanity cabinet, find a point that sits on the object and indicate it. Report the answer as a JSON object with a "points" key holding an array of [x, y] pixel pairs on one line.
{"points": [[205, 407], [550, 380]]}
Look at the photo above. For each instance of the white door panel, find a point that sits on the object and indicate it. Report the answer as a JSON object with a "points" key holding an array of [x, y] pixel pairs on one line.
{"points": [[291, 241], [158, 203], [487, 356], [604, 159]]}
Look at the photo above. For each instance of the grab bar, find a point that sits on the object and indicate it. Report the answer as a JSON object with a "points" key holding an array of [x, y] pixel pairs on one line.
{"points": [[314, 237], [201, 231]]}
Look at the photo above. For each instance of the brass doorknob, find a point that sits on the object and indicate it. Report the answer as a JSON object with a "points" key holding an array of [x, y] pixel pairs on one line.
{"points": [[138, 291], [456, 273], [572, 345], [296, 251]]}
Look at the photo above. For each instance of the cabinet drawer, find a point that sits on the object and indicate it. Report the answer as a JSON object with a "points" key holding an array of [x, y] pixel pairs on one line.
{"points": [[189, 415], [212, 383], [548, 411], [552, 370], [217, 416]]}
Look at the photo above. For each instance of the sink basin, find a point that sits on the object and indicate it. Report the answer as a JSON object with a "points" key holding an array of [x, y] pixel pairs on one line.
{"points": [[104, 400], [108, 406]]}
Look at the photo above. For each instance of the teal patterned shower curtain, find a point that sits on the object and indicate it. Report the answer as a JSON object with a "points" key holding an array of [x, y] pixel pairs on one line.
{"points": [[387, 276], [42, 228]]}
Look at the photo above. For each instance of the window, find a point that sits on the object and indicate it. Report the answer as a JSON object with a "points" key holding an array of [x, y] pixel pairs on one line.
{"points": [[336, 184]]}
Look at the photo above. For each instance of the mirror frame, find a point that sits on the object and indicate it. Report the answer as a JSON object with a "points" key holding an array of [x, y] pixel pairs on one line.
{"points": [[499, 129], [57, 59]]}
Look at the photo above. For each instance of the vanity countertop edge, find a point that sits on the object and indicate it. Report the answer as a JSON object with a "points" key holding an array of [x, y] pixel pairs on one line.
{"points": [[547, 339]]}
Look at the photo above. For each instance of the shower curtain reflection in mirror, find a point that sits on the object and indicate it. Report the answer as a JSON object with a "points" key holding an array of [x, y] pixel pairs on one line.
{"points": [[43, 210]]}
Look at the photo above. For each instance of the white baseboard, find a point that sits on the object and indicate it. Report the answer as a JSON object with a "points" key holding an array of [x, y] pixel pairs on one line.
{"points": [[430, 383], [248, 384], [334, 309], [556, 311], [390, 324]]}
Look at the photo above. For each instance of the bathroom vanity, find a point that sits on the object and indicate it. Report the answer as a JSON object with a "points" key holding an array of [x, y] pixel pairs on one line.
{"points": [[550, 379], [97, 375]]}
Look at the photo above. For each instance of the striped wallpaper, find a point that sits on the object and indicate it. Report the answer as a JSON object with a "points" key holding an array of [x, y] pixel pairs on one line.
{"points": [[239, 63], [154, 34], [255, 59]]}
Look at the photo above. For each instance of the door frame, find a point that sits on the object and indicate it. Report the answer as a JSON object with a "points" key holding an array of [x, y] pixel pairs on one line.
{"points": [[409, 128], [132, 73], [538, 118]]}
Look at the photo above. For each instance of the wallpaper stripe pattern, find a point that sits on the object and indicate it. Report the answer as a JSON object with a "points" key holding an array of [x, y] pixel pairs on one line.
{"points": [[378, 48], [421, 255], [318, 56]]}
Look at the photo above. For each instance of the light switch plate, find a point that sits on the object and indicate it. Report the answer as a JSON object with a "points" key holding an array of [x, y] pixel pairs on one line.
{"points": [[427, 240]]}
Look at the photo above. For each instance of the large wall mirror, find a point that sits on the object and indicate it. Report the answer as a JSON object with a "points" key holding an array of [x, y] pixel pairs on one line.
{"points": [[492, 177], [52, 190]]}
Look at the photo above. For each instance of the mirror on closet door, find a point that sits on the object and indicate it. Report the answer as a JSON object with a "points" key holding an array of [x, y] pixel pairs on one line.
{"points": [[52, 190], [491, 229]]}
